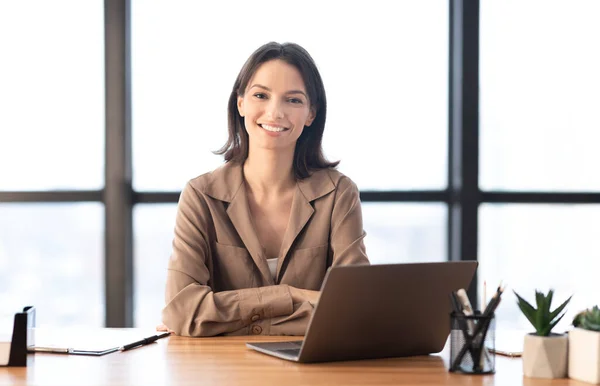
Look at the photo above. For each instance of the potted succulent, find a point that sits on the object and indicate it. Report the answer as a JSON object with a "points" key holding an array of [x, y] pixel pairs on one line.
{"points": [[544, 353], [584, 347]]}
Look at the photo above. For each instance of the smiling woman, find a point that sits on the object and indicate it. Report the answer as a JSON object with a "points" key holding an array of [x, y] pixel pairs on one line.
{"points": [[254, 238], [280, 110], [279, 87]]}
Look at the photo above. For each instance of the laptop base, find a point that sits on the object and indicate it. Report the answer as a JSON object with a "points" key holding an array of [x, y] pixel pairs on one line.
{"points": [[285, 350]]}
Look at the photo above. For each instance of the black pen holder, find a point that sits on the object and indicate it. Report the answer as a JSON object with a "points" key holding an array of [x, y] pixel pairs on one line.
{"points": [[471, 338]]}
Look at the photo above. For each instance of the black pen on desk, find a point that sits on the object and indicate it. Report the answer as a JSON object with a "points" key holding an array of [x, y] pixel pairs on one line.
{"points": [[145, 341]]}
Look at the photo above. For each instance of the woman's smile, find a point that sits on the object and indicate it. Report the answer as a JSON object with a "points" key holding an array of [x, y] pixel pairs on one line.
{"points": [[273, 128]]}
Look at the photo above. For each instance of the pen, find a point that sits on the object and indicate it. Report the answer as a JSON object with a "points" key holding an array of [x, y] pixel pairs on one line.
{"points": [[144, 341], [491, 307], [54, 350]]}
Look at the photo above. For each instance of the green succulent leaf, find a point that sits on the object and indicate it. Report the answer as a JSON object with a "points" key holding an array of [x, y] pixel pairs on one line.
{"points": [[527, 309], [589, 319], [541, 318], [539, 299], [590, 326], [553, 324], [549, 298], [558, 310], [577, 319]]}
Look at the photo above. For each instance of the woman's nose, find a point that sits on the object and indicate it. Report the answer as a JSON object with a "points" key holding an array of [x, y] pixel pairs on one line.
{"points": [[275, 110]]}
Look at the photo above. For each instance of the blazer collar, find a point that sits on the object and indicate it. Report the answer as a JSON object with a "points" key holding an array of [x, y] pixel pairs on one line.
{"points": [[227, 180], [227, 185]]}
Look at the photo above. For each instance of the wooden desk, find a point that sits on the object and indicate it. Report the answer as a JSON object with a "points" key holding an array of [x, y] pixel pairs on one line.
{"points": [[227, 361]]}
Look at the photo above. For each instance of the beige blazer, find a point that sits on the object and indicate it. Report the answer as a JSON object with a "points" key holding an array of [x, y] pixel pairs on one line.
{"points": [[218, 279]]}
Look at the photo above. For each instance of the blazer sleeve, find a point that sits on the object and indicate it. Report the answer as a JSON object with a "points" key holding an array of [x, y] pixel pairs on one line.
{"points": [[347, 233], [192, 308]]}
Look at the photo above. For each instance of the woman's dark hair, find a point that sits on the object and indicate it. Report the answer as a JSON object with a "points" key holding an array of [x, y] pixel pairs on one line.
{"points": [[308, 155]]}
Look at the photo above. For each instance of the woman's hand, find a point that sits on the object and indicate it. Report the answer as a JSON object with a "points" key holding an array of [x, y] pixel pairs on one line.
{"points": [[303, 295], [162, 327]]}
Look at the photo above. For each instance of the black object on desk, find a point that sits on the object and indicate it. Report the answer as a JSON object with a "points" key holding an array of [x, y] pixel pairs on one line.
{"points": [[471, 337], [22, 337], [145, 341]]}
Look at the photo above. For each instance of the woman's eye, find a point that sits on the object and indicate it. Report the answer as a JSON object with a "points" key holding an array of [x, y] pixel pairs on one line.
{"points": [[295, 101], [260, 95]]}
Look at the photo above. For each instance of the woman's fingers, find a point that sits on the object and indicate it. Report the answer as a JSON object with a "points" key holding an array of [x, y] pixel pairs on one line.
{"points": [[162, 327]]}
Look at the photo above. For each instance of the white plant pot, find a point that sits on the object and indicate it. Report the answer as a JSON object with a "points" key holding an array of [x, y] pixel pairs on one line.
{"points": [[545, 356], [584, 355]]}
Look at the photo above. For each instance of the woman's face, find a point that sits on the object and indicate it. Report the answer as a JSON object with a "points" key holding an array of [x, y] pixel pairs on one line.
{"points": [[275, 106]]}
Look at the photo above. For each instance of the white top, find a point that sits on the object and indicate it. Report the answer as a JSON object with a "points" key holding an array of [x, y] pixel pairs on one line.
{"points": [[273, 266]]}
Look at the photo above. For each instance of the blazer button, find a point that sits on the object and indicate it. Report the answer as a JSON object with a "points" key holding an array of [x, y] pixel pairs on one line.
{"points": [[256, 329], [255, 317]]}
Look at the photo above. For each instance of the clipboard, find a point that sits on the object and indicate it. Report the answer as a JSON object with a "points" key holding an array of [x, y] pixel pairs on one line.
{"points": [[71, 341], [71, 351]]}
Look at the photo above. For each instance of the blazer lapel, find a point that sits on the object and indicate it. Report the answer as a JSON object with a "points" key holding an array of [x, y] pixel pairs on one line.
{"points": [[301, 212], [307, 190], [228, 185], [239, 213]]}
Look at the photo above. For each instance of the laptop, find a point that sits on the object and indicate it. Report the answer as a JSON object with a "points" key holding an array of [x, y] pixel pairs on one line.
{"points": [[378, 311]]}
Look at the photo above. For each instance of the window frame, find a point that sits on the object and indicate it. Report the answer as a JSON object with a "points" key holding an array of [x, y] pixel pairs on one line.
{"points": [[462, 195]]}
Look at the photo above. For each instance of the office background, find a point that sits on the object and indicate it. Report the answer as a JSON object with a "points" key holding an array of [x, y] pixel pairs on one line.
{"points": [[482, 116]]}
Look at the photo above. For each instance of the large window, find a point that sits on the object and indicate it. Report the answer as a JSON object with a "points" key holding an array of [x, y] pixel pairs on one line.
{"points": [[51, 256], [540, 132], [532, 247], [387, 90], [153, 229], [52, 138], [540, 92], [51, 95], [471, 129], [405, 232], [386, 119]]}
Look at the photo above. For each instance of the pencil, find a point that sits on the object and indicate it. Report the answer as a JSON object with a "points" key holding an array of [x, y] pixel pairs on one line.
{"points": [[484, 302]]}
